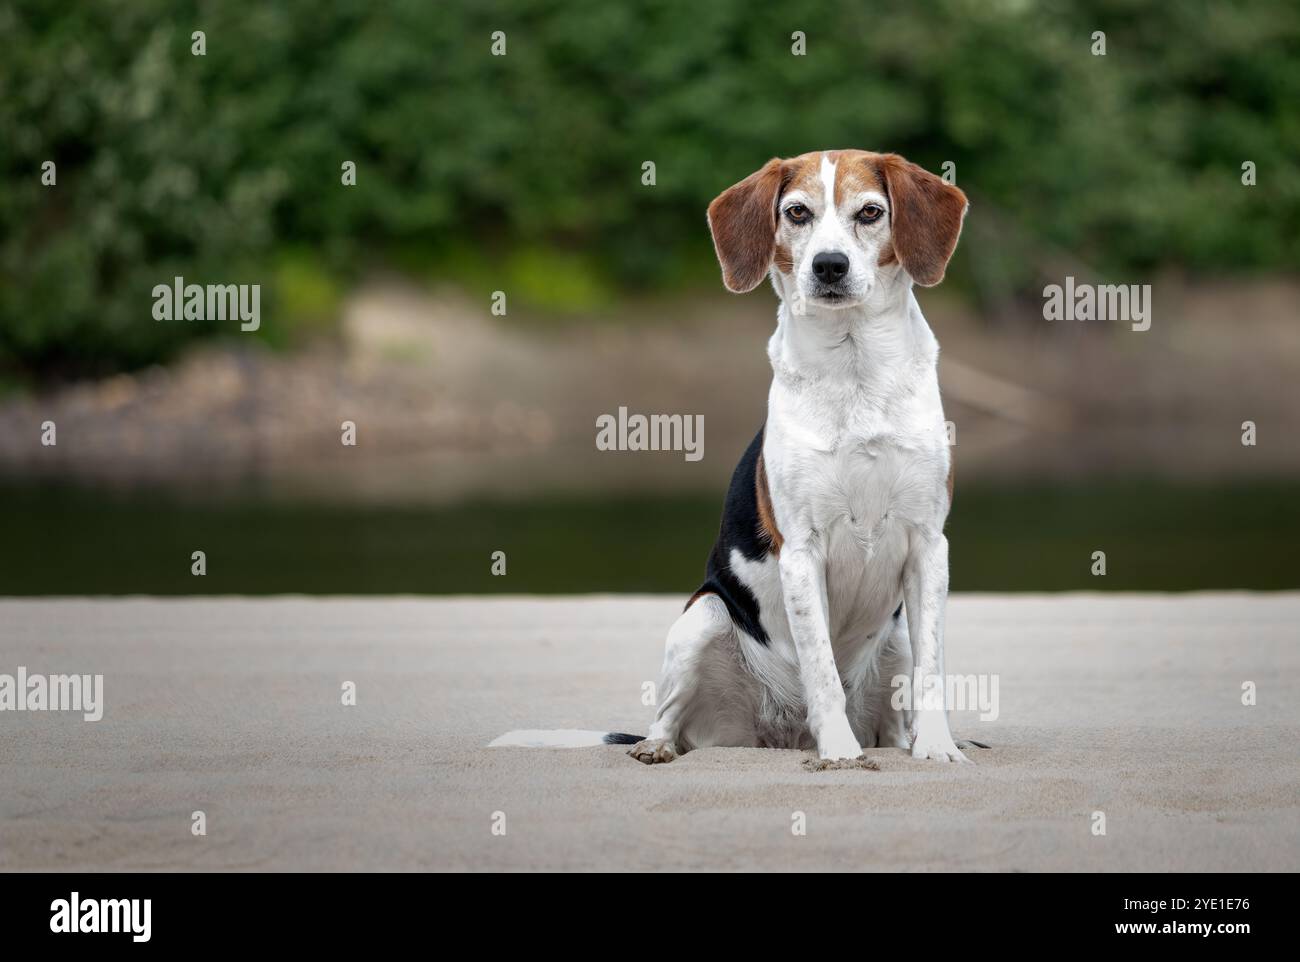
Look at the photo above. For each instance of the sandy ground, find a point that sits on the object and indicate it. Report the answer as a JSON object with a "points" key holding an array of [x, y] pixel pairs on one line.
{"points": [[1126, 705]]}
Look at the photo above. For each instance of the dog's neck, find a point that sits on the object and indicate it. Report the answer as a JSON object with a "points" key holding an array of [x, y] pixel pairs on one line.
{"points": [[862, 346]]}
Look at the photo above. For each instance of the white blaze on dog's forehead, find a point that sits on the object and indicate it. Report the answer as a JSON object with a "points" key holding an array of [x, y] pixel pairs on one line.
{"points": [[828, 180]]}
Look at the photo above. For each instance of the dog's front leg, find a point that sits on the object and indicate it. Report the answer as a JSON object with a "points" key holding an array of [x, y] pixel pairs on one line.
{"points": [[925, 594], [803, 584]]}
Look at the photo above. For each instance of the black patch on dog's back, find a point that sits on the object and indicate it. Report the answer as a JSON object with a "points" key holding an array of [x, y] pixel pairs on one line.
{"points": [[741, 530]]}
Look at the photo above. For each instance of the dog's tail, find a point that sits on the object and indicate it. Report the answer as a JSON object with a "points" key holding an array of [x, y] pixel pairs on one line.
{"points": [[562, 738]]}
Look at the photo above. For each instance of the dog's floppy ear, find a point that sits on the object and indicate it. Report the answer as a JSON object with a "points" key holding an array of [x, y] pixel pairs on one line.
{"points": [[925, 219], [742, 220]]}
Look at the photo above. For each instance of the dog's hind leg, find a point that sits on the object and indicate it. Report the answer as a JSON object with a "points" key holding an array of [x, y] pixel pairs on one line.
{"points": [[694, 642], [894, 662]]}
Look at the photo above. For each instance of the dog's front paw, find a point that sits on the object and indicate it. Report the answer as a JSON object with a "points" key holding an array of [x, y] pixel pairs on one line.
{"points": [[938, 750], [931, 739], [653, 751], [837, 741]]}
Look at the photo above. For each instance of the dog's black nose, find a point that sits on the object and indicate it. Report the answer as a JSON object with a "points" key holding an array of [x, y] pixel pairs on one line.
{"points": [[830, 266]]}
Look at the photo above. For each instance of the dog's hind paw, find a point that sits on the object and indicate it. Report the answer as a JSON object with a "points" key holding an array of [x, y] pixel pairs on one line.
{"points": [[653, 751]]}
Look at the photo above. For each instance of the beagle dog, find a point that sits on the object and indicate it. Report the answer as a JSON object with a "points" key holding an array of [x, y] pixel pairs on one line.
{"points": [[829, 576]]}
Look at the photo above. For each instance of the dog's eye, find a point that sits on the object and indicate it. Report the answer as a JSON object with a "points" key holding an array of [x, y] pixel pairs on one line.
{"points": [[870, 213], [798, 213]]}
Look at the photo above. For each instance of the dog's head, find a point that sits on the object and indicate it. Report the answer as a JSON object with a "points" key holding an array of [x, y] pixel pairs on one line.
{"points": [[830, 222]]}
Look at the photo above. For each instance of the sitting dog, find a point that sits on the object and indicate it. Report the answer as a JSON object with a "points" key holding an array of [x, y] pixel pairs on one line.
{"points": [[829, 576]]}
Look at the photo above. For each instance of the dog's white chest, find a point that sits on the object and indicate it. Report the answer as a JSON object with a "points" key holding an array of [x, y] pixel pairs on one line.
{"points": [[867, 477], [872, 481], [857, 495], [864, 497]]}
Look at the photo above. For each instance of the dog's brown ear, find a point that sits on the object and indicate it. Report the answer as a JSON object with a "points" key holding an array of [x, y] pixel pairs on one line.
{"points": [[925, 219], [742, 220]]}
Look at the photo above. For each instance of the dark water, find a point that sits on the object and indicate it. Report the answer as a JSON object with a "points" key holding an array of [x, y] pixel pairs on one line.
{"points": [[1156, 537]]}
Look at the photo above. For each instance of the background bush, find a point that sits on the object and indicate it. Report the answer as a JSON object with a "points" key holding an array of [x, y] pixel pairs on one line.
{"points": [[526, 168]]}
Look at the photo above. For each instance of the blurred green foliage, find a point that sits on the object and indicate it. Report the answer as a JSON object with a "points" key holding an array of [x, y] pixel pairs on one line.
{"points": [[526, 169]]}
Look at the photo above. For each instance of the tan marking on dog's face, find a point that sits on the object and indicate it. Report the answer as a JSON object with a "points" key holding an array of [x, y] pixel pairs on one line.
{"points": [[860, 175], [802, 173], [797, 174]]}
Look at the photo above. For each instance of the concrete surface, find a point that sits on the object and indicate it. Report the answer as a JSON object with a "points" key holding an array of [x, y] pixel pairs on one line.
{"points": [[1127, 705]]}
